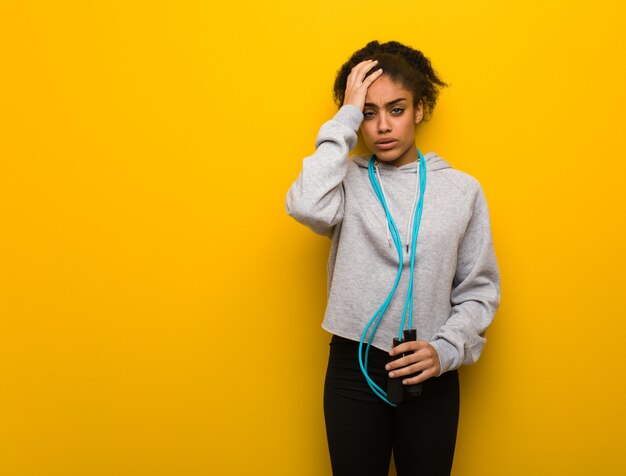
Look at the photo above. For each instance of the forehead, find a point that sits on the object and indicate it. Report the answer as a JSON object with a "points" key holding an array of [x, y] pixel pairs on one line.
{"points": [[384, 90]]}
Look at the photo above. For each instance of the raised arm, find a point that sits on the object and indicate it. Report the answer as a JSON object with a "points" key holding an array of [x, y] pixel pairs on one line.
{"points": [[316, 198]]}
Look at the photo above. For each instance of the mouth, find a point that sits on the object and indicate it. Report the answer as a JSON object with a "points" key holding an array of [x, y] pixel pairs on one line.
{"points": [[385, 144]]}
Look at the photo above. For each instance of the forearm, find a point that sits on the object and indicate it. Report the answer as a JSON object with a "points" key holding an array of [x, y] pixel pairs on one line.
{"points": [[461, 340], [475, 294], [316, 197]]}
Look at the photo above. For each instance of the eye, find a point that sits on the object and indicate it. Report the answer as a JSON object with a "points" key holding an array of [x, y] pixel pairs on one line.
{"points": [[396, 111], [368, 114]]}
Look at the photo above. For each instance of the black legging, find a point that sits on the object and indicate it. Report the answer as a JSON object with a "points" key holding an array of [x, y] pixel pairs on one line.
{"points": [[362, 430]]}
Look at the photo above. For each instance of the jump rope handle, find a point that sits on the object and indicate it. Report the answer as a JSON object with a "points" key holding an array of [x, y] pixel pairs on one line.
{"points": [[396, 392]]}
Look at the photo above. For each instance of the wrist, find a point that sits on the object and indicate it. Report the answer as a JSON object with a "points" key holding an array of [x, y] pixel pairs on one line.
{"points": [[447, 354], [350, 115]]}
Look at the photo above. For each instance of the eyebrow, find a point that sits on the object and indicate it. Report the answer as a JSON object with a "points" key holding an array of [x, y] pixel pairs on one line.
{"points": [[390, 103]]}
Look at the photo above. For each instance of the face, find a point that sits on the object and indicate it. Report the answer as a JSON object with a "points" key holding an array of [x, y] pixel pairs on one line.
{"points": [[389, 122]]}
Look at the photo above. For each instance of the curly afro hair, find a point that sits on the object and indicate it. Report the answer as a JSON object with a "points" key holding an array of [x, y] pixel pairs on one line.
{"points": [[401, 63]]}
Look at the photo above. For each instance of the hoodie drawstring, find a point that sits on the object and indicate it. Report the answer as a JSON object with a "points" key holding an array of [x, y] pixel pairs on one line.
{"points": [[415, 199]]}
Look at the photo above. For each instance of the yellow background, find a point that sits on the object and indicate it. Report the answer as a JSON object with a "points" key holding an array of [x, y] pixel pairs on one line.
{"points": [[159, 311]]}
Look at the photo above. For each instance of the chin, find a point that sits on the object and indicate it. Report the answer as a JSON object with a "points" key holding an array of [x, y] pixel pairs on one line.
{"points": [[385, 155], [388, 157]]}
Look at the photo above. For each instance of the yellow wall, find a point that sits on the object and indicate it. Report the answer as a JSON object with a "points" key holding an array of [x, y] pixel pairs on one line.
{"points": [[159, 312]]}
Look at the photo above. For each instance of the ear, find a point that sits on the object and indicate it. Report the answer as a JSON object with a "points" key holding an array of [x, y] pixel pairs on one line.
{"points": [[419, 112]]}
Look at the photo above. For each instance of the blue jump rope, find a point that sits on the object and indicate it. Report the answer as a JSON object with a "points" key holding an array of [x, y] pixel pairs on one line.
{"points": [[395, 235]]}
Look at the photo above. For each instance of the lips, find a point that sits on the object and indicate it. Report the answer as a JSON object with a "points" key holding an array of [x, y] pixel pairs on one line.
{"points": [[384, 144]]}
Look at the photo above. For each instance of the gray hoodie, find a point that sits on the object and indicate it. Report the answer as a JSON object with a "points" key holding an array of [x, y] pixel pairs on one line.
{"points": [[456, 280]]}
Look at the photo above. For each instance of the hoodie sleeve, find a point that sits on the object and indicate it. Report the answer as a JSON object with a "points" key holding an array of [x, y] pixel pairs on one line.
{"points": [[475, 293], [316, 198]]}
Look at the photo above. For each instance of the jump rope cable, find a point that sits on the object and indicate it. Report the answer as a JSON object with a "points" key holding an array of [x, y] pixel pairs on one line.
{"points": [[393, 233]]}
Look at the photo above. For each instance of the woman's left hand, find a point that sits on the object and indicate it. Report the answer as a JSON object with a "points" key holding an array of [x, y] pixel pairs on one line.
{"points": [[424, 358]]}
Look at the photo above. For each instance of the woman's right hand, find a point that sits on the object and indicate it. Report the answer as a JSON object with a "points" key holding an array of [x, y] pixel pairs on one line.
{"points": [[356, 85]]}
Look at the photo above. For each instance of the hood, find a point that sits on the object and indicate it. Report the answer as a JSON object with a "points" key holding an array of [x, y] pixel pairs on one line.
{"points": [[433, 162]]}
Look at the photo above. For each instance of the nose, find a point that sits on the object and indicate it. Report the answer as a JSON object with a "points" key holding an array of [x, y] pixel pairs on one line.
{"points": [[384, 126]]}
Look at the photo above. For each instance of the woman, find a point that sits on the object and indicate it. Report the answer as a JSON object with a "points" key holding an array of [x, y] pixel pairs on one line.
{"points": [[411, 248]]}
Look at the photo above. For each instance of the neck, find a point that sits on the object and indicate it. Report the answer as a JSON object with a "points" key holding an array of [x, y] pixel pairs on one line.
{"points": [[407, 157]]}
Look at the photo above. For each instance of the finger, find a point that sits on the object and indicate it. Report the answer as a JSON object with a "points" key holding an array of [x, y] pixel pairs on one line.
{"points": [[408, 360], [372, 77], [412, 345], [366, 80], [411, 369], [409, 346], [401, 362], [425, 375], [417, 356], [357, 83], [361, 69], [364, 64]]}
